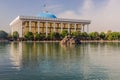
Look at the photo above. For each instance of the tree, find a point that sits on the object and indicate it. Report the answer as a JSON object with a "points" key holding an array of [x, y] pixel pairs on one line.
{"points": [[94, 36], [108, 35], [52, 35], [84, 36], [64, 33], [48, 37], [76, 34], [118, 35], [102, 35], [55, 35], [15, 35], [3, 34], [39, 36], [113, 36], [42, 36], [29, 36]]}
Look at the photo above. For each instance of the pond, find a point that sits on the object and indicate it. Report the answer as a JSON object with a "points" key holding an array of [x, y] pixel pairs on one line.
{"points": [[52, 61]]}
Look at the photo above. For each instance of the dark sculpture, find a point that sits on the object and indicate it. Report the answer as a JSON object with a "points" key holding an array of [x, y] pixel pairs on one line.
{"points": [[70, 40]]}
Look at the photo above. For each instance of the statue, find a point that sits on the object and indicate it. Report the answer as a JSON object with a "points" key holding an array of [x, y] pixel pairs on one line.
{"points": [[70, 40]]}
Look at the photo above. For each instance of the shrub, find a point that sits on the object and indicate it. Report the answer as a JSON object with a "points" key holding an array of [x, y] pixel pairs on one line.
{"points": [[15, 35], [64, 33], [29, 36], [3, 34]]}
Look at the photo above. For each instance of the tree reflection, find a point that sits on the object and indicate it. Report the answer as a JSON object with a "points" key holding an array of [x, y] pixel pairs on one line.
{"points": [[55, 59]]}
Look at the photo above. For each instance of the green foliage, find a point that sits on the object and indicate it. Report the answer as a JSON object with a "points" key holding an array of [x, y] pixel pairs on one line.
{"points": [[118, 35], [55, 35], [105, 36], [48, 37], [102, 36], [84, 36], [64, 33], [39, 36], [15, 35], [113, 36], [94, 36], [3, 34], [42, 36], [76, 34], [52, 35], [29, 36]]}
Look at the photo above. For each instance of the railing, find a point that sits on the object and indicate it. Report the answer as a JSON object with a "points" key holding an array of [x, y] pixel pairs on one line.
{"points": [[55, 19]]}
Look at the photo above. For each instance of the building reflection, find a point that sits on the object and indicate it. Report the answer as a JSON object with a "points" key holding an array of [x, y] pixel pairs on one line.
{"points": [[16, 54], [53, 58], [31, 53]]}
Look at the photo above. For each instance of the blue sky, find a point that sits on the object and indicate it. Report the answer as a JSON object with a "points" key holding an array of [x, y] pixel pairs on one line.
{"points": [[103, 13]]}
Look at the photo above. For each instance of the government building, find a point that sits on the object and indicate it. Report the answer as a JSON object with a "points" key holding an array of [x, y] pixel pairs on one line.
{"points": [[45, 23]]}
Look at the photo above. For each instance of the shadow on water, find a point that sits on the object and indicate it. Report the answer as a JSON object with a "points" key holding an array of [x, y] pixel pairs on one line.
{"points": [[51, 61]]}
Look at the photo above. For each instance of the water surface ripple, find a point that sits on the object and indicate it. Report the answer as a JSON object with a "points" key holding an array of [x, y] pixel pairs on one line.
{"points": [[51, 61]]}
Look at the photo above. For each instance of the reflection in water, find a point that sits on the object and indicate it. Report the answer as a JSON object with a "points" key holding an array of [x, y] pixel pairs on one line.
{"points": [[16, 54], [50, 61]]}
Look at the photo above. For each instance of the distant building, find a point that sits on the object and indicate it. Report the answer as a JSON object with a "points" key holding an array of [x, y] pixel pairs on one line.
{"points": [[46, 23]]}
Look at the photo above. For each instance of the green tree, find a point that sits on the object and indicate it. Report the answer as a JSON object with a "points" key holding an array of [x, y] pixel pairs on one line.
{"points": [[55, 35], [118, 35], [113, 36], [64, 33], [102, 35], [48, 37], [84, 36], [94, 36], [39, 36], [15, 35], [3, 34], [76, 34], [29, 36], [52, 35], [42, 36]]}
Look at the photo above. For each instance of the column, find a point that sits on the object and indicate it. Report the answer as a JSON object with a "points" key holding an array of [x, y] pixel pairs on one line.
{"points": [[29, 26], [61, 25], [87, 28], [12, 29], [38, 27], [75, 27], [83, 27], [54, 27], [21, 31], [46, 28], [68, 27]]}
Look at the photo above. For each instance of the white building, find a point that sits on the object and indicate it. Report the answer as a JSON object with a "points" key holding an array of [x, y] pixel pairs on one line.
{"points": [[46, 23]]}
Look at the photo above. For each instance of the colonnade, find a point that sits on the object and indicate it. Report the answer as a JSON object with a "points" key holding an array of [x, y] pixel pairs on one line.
{"points": [[70, 27]]}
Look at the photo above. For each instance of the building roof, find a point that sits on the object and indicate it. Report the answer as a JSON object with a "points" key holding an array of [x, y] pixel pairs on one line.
{"points": [[46, 15], [37, 18]]}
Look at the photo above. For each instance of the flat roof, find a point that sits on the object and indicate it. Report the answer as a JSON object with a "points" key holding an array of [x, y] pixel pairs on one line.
{"points": [[35, 18]]}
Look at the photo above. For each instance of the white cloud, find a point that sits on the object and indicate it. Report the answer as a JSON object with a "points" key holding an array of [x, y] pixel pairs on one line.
{"points": [[87, 7], [106, 18], [69, 14]]}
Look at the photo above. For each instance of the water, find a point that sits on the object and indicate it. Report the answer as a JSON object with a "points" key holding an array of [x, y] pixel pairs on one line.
{"points": [[51, 61]]}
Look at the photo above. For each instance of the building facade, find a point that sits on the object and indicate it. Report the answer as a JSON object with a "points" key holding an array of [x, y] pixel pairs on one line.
{"points": [[46, 23]]}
